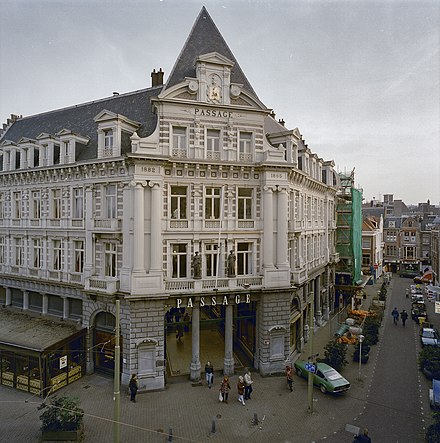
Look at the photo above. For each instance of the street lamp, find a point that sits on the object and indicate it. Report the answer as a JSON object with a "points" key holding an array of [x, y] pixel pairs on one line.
{"points": [[361, 339]]}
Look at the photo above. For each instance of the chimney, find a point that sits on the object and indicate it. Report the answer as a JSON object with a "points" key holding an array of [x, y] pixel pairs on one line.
{"points": [[272, 114], [115, 94], [281, 122], [157, 78]]}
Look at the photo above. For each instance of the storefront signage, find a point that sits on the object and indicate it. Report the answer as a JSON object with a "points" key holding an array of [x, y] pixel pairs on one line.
{"points": [[212, 113], [63, 361], [214, 301]]}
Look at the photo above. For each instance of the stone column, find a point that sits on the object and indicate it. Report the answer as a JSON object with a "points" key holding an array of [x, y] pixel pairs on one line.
{"points": [[228, 365], [282, 225], [65, 308], [8, 296], [25, 300], [156, 220], [89, 244], [268, 227], [45, 303], [195, 335], [138, 228]]}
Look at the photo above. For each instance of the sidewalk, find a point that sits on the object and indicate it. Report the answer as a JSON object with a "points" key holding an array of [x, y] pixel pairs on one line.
{"points": [[190, 411]]}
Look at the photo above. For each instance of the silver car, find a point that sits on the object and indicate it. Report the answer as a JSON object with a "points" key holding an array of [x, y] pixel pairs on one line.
{"points": [[429, 337]]}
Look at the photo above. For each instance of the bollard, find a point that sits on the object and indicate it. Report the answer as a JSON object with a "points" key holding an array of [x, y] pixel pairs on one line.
{"points": [[170, 435], [255, 420], [213, 426]]}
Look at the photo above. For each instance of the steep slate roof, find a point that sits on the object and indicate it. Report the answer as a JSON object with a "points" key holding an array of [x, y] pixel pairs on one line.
{"points": [[80, 119], [204, 39]]}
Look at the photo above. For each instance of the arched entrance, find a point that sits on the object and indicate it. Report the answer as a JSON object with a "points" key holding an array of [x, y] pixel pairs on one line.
{"points": [[104, 343]]}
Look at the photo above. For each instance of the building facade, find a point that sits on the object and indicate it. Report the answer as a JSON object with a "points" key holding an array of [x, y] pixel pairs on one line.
{"points": [[211, 221]]}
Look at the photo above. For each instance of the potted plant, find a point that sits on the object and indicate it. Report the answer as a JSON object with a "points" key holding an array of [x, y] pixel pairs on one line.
{"points": [[429, 362], [334, 355], [62, 420]]}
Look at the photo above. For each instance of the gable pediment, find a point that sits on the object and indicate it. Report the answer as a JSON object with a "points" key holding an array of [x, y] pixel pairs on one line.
{"points": [[215, 58], [105, 115]]}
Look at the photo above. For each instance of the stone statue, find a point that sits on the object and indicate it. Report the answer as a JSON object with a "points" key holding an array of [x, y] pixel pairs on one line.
{"points": [[231, 264], [197, 265]]}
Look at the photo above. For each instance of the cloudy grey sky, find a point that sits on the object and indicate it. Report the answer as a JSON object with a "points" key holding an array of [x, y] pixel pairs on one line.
{"points": [[359, 78]]}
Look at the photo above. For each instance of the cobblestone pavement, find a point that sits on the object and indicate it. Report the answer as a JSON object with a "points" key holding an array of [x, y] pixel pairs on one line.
{"points": [[190, 411]]}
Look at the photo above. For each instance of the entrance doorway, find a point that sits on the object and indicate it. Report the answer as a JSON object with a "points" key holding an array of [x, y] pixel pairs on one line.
{"points": [[104, 343], [178, 333]]}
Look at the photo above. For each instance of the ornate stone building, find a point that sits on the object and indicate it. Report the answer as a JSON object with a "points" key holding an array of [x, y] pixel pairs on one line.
{"points": [[211, 221]]}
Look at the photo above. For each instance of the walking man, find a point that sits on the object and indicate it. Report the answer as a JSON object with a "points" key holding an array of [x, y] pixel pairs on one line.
{"points": [[395, 315], [133, 386], [289, 376], [209, 374], [404, 316]]}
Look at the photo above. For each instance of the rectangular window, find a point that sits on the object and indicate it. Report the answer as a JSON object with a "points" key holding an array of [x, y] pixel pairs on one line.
{"points": [[211, 257], [178, 202], [244, 258], [17, 205], [78, 203], [179, 260], [108, 139], [179, 140], [244, 204], [2, 205], [78, 253], [212, 203], [110, 260], [19, 252], [110, 201], [56, 203], [213, 144], [366, 243], [57, 258], [36, 205], [365, 260], [37, 253], [245, 146], [2, 250]]}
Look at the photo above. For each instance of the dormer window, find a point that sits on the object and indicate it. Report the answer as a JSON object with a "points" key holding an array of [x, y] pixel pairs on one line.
{"points": [[108, 142], [114, 132]]}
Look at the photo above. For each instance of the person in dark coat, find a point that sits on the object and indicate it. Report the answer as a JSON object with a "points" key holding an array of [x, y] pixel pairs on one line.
{"points": [[404, 316], [395, 314], [133, 386], [362, 438], [209, 374], [289, 376]]}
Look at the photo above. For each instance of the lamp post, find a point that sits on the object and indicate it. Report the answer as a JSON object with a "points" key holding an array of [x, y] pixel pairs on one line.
{"points": [[361, 339]]}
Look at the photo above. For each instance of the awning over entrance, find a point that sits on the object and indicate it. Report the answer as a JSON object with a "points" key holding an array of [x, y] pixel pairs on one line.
{"points": [[39, 355]]}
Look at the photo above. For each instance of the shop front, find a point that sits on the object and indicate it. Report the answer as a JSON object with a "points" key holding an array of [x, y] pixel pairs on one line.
{"points": [[38, 355]]}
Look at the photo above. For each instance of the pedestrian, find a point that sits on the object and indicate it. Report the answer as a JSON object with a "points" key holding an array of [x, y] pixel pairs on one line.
{"points": [[395, 315], [209, 374], [179, 332], [240, 389], [247, 384], [133, 386], [404, 316], [289, 376], [362, 438], [225, 387]]}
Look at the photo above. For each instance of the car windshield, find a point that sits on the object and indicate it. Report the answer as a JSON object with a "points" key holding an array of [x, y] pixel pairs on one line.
{"points": [[429, 334], [331, 374]]}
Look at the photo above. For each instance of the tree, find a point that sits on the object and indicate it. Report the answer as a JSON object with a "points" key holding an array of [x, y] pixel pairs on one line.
{"points": [[334, 354], [63, 414]]}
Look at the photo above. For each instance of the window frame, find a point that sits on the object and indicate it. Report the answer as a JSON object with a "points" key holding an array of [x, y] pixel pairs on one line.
{"points": [[111, 201], [212, 206], [247, 202], [78, 253], [177, 201], [179, 261], [57, 254], [110, 259]]}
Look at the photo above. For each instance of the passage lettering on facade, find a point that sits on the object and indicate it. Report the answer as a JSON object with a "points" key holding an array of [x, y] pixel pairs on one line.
{"points": [[213, 301]]}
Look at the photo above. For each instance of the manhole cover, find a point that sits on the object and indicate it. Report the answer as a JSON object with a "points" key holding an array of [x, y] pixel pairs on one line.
{"points": [[86, 386], [219, 416]]}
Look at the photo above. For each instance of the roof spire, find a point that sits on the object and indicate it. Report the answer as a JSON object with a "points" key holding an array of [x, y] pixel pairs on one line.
{"points": [[204, 38]]}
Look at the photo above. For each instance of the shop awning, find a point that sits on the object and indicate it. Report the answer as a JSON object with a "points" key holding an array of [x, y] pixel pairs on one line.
{"points": [[18, 330]]}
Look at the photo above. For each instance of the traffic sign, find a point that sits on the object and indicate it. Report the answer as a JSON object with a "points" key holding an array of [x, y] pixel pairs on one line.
{"points": [[310, 367]]}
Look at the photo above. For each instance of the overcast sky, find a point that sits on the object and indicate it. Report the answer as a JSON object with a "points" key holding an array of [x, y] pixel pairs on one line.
{"points": [[360, 79]]}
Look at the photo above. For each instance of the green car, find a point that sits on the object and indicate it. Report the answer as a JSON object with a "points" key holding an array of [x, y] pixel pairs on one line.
{"points": [[327, 378]]}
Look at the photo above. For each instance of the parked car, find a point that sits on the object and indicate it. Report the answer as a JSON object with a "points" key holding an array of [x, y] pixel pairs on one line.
{"points": [[418, 310], [429, 337], [434, 394], [325, 377], [417, 297]]}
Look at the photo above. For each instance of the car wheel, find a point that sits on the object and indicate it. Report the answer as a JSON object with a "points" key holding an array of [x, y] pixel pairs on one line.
{"points": [[298, 372], [323, 389]]}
